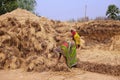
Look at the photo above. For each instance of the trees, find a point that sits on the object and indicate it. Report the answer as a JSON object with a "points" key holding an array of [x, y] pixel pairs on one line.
{"points": [[112, 12], [9, 5], [27, 4]]}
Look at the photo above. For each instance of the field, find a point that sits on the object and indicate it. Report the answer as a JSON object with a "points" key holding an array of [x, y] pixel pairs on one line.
{"points": [[27, 44]]}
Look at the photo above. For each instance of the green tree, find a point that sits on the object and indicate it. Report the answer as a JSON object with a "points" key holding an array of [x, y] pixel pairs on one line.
{"points": [[9, 5], [112, 12], [27, 4]]}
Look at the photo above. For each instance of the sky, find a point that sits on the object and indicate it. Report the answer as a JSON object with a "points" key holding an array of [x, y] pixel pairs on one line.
{"points": [[73, 9]]}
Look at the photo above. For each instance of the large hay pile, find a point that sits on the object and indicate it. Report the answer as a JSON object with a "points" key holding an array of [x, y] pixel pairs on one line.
{"points": [[25, 43]]}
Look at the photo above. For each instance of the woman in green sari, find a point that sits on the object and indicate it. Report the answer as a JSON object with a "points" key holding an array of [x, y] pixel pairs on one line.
{"points": [[68, 50]]}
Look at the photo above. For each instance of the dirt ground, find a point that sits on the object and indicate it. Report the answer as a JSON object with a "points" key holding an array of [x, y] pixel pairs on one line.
{"points": [[27, 44], [75, 74]]}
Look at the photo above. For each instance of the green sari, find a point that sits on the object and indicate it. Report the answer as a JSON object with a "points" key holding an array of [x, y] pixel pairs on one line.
{"points": [[70, 54]]}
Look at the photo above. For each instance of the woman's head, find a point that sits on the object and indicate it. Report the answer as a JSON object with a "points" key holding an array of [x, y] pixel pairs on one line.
{"points": [[73, 32]]}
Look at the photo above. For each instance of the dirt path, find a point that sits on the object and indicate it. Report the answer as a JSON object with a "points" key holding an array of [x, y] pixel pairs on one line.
{"points": [[75, 74]]}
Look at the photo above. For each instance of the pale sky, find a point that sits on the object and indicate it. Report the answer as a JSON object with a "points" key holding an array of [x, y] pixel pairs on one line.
{"points": [[73, 9]]}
